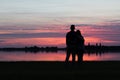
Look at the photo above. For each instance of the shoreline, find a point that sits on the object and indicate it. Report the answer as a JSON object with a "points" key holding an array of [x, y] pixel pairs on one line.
{"points": [[88, 49]]}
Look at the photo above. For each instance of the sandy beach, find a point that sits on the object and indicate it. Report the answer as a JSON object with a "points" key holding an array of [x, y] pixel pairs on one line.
{"points": [[60, 70]]}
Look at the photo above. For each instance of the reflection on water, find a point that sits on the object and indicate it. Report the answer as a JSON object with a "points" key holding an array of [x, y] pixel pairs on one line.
{"points": [[55, 56], [103, 57]]}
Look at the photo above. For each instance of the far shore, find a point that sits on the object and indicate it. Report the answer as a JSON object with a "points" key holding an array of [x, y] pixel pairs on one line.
{"points": [[88, 49]]}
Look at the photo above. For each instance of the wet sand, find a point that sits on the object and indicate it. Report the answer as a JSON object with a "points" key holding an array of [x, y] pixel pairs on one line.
{"points": [[60, 70]]}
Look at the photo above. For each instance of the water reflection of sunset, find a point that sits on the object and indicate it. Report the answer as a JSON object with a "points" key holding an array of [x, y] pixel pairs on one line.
{"points": [[54, 56], [22, 56], [93, 57]]}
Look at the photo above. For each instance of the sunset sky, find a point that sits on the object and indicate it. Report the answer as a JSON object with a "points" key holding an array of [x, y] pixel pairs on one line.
{"points": [[46, 22]]}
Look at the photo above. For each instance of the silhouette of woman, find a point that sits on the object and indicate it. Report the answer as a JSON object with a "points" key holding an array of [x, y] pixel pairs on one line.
{"points": [[80, 46]]}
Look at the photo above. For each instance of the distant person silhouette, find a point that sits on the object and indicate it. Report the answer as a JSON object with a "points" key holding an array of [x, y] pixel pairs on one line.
{"points": [[71, 41], [80, 45]]}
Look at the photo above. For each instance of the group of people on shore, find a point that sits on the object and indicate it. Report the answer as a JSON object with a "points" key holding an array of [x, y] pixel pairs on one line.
{"points": [[75, 44]]}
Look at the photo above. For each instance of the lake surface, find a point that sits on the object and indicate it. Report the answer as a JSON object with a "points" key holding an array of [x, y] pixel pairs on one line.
{"points": [[56, 56]]}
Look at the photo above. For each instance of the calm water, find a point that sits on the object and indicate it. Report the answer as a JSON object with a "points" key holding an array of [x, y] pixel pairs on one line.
{"points": [[55, 56]]}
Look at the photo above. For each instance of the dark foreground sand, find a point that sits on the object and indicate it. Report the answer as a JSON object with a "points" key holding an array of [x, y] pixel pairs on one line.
{"points": [[44, 70]]}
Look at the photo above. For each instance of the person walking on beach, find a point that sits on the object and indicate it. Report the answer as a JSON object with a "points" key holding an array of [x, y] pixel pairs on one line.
{"points": [[80, 45], [71, 41]]}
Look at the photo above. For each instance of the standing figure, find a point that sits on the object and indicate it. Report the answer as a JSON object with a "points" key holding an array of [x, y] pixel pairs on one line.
{"points": [[71, 39], [80, 46]]}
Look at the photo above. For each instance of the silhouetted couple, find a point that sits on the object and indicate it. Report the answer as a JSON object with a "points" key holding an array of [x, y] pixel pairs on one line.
{"points": [[75, 44]]}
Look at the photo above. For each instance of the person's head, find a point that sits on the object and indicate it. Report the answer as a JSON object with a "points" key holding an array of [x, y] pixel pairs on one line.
{"points": [[78, 32], [72, 27]]}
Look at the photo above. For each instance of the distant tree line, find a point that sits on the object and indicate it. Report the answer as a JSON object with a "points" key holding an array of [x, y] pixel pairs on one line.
{"points": [[101, 48], [34, 49], [88, 49]]}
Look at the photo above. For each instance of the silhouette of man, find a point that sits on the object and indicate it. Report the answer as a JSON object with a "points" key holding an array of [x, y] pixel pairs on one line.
{"points": [[80, 46], [71, 39]]}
